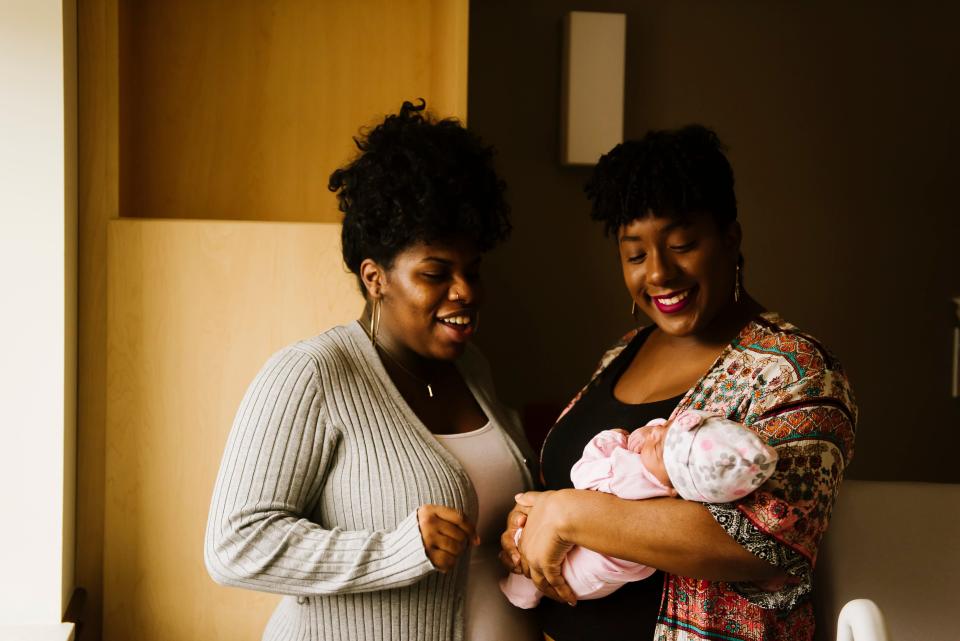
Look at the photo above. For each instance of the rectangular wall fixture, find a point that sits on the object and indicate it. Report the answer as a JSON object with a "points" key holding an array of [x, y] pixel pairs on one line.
{"points": [[594, 47], [955, 382]]}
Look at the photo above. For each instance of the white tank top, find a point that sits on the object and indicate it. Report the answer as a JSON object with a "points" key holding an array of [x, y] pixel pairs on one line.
{"points": [[487, 459]]}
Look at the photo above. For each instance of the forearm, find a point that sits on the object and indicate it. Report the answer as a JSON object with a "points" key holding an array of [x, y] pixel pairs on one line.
{"points": [[673, 535], [289, 555]]}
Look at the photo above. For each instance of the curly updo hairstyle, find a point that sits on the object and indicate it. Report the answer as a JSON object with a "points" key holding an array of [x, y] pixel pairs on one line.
{"points": [[417, 179], [666, 173]]}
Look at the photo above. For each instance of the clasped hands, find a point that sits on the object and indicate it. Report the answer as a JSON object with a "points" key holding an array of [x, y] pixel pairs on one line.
{"points": [[446, 534], [542, 546]]}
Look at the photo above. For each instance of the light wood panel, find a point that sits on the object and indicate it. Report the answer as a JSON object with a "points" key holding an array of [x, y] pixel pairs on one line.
{"points": [[71, 335], [194, 309], [241, 109], [98, 201]]}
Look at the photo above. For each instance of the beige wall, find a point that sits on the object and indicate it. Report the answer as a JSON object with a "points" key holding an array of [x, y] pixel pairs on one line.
{"points": [[841, 122], [38, 276]]}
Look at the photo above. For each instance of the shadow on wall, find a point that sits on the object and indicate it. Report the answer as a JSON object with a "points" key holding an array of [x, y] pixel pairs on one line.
{"points": [[842, 135]]}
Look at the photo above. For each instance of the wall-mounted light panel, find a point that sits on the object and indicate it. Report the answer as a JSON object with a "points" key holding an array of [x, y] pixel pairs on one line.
{"points": [[594, 48]]}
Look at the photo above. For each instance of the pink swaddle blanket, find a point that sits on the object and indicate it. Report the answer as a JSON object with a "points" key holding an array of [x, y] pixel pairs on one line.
{"points": [[708, 458], [610, 463]]}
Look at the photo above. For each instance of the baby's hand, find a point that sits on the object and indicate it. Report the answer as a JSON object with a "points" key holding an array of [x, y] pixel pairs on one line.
{"points": [[446, 533]]}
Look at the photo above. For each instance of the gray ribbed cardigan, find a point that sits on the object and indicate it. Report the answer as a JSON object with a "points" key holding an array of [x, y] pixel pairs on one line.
{"points": [[317, 493]]}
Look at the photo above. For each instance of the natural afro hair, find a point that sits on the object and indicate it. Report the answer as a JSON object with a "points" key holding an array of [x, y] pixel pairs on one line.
{"points": [[417, 179], [666, 173]]}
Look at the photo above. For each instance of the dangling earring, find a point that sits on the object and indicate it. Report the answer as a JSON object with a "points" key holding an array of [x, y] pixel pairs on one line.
{"points": [[374, 321], [736, 285], [633, 310], [476, 322]]}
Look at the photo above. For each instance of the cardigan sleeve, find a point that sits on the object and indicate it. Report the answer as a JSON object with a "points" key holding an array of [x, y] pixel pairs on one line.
{"points": [[272, 472], [811, 423]]}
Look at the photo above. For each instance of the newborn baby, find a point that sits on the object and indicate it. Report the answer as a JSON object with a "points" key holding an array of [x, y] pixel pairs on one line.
{"points": [[700, 456]]}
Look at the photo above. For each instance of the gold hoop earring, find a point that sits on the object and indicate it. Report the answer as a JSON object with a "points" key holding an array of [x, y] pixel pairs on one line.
{"points": [[736, 285], [375, 321]]}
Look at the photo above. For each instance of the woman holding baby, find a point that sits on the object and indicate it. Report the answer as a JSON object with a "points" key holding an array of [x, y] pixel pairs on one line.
{"points": [[736, 568]]}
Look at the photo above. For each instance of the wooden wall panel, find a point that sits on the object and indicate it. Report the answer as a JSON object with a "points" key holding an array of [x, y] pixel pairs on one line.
{"points": [[71, 326], [240, 109], [98, 202], [194, 310]]}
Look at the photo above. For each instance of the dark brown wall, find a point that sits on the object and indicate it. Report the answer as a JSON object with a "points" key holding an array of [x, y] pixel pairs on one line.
{"points": [[842, 125]]}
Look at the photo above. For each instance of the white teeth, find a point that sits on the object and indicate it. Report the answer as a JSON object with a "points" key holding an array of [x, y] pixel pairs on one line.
{"points": [[673, 300], [457, 320]]}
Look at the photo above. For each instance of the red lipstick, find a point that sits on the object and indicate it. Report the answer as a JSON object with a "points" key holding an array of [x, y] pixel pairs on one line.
{"points": [[675, 307]]}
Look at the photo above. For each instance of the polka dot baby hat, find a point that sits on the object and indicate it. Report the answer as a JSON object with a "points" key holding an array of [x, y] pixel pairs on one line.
{"points": [[715, 460]]}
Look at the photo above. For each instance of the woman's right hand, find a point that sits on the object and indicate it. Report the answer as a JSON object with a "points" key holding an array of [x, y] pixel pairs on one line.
{"points": [[446, 533], [509, 554]]}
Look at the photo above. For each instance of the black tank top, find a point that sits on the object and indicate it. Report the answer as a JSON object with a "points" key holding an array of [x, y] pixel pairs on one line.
{"points": [[630, 613]]}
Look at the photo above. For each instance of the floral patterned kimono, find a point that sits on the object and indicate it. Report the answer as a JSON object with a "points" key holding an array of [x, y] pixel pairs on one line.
{"points": [[786, 387]]}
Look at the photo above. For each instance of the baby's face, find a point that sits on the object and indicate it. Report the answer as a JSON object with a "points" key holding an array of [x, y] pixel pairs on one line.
{"points": [[651, 452]]}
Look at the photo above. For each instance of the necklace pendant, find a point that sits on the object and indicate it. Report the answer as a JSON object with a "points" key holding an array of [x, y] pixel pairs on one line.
{"points": [[429, 390]]}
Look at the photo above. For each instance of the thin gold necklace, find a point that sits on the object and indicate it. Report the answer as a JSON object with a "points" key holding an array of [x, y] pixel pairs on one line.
{"points": [[405, 369]]}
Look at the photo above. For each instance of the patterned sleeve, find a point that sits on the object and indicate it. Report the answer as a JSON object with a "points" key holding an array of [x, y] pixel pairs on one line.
{"points": [[811, 424]]}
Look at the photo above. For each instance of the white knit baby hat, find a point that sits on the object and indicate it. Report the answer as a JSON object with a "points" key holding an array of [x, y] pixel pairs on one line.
{"points": [[715, 460]]}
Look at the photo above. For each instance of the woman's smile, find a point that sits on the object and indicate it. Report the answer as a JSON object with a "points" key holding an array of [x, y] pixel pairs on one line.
{"points": [[459, 326], [674, 302]]}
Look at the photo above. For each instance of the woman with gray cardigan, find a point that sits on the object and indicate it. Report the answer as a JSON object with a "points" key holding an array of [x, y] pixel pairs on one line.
{"points": [[369, 468]]}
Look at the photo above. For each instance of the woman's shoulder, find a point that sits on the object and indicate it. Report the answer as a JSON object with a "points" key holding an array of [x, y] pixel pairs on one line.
{"points": [[770, 338], [337, 348], [789, 365]]}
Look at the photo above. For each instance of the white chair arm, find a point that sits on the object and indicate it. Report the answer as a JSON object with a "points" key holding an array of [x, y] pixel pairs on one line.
{"points": [[861, 620]]}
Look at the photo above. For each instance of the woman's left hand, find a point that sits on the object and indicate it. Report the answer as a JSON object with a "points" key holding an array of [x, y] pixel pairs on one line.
{"points": [[509, 552], [542, 547]]}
